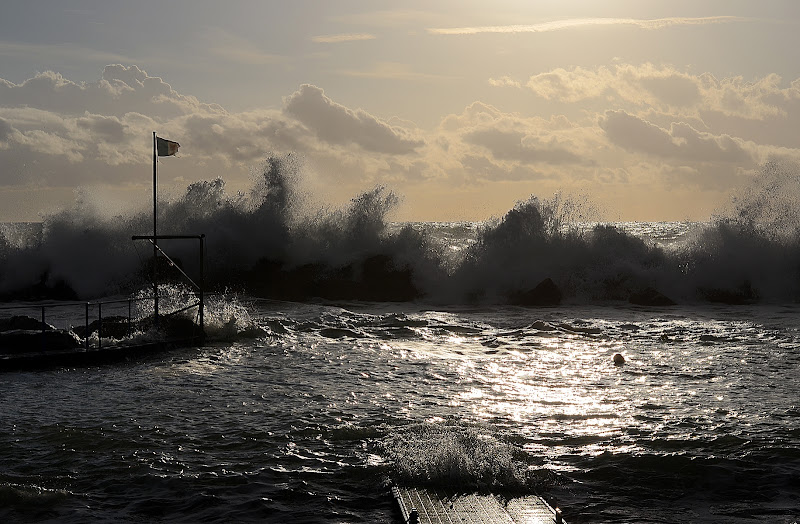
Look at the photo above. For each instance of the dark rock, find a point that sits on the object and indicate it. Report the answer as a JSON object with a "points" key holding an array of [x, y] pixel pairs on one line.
{"points": [[744, 294], [22, 322], [171, 326], [114, 327], [30, 341], [386, 283], [650, 297], [375, 278], [546, 293]]}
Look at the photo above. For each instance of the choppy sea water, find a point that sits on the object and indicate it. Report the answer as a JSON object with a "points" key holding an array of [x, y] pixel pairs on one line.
{"points": [[313, 420]]}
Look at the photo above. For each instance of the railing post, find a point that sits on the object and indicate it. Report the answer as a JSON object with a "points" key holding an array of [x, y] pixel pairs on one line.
{"points": [[86, 333], [202, 284], [129, 317], [43, 344]]}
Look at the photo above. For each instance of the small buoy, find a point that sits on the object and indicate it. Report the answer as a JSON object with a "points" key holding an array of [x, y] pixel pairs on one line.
{"points": [[618, 359]]}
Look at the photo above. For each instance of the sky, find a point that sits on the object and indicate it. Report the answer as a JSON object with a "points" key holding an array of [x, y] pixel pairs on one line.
{"points": [[650, 110]]}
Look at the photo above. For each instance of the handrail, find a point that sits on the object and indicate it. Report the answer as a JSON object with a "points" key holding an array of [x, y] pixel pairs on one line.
{"points": [[43, 306], [67, 303]]}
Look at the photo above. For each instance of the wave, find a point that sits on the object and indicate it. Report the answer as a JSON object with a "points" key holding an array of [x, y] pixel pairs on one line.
{"points": [[458, 456], [267, 242]]}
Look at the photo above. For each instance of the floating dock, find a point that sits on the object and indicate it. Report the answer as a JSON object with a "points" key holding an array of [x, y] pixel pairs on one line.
{"points": [[428, 506]]}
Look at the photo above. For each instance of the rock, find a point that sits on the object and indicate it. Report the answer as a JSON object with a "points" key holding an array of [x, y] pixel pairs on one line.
{"points": [[374, 278], [114, 327], [22, 322], [546, 293], [650, 297], [744, 294], [618, 359], [384, 282], [23, 341]]}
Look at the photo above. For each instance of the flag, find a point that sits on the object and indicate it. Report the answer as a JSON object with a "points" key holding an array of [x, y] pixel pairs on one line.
{"points": [[166, 147]]}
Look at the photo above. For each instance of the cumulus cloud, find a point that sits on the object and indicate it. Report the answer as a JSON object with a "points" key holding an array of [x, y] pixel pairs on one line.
{"points": [[681, 141], [570, 86], [504, 81], [337, 124], [515, 145], [122, 89], [58, 133], [666, 89], [627, 125], [6, 130], [488, 144]]}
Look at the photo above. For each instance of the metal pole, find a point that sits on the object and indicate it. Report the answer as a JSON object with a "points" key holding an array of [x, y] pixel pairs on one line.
{"points": [[202, 283], [86, 333], [155, 237], [44, 345]]}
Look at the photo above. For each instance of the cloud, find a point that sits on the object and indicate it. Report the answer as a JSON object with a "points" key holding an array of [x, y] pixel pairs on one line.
{"points": [[485, 143], [110, 128], [680, 142], [56, 133], [337, 124], [504, 81], [516, 146], [6, 130], [570, 86], [643, 126], [121, 90], [338, 39], [558, 25], [665, 89], [63, 133]]}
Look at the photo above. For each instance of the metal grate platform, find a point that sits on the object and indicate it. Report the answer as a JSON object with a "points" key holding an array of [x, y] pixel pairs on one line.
{"points": [[425, 506]]}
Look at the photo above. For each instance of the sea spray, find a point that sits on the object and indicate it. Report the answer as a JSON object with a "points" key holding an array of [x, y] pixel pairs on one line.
{"points": [[751, 250], [538, 239], [462, 457], [254, 241], [270, 242]]}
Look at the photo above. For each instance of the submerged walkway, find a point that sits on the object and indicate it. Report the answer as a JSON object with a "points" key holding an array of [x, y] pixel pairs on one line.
{"points": [[424, 506]]}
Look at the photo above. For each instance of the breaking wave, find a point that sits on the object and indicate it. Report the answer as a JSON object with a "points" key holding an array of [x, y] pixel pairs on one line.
{"points": [[269, 243], [461, 457]]}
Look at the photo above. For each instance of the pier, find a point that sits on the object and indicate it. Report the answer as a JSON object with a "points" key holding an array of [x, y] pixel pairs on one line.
{"points": [[434, 506]]}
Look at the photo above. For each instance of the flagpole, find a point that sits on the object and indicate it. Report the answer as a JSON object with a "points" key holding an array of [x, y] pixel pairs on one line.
{"points": [[155, 237]]}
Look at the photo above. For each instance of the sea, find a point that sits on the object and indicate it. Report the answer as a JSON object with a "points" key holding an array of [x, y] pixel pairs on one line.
{"points": [[305, 409]]}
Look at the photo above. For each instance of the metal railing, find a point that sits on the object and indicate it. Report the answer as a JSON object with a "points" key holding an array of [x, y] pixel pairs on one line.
{"points": [[116, 306]]}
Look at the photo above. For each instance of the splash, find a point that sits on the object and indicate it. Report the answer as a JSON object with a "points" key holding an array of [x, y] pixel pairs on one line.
{"points": [[455, 456], [265, 241], [270, 242]]}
